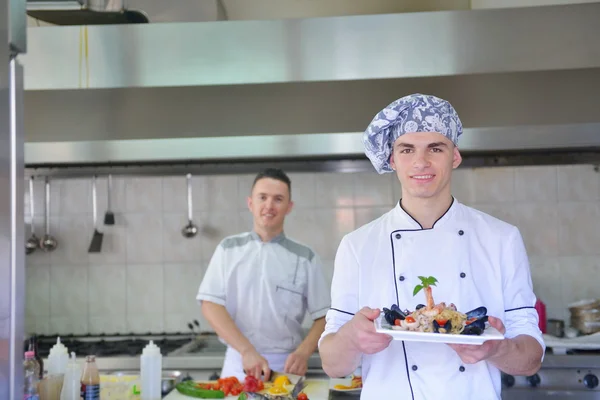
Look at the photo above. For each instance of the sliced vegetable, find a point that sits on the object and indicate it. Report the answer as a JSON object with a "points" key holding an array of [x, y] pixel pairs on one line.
{"points": [[190, 389]]}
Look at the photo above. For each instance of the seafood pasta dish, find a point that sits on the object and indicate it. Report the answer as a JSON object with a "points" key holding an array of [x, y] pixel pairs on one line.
{"points": [[438, 318]]}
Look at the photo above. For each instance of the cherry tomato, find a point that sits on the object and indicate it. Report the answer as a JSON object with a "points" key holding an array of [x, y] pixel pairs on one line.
{"points": [[397, 322], [410, 319], [302, 396]]}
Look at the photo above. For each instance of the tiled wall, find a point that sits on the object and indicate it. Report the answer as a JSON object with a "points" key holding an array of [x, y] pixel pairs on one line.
{"points": [[147, 275]]}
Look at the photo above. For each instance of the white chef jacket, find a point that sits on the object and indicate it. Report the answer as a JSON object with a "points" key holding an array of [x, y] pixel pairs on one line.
{"points": [[478, 261], [267, 288]]}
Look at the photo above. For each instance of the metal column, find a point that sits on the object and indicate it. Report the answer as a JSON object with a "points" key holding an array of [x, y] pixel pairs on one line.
{"points": [[12, 250]]}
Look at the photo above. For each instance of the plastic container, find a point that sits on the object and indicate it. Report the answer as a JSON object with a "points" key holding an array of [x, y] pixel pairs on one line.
{"points": [[151, 372], [57, 359], [71, 389], [31, 373]]}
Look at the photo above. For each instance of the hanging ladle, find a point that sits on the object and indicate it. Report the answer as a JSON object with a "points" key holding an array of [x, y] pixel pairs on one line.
{"points": [[48, 242], [190, 230], [33, 242]]}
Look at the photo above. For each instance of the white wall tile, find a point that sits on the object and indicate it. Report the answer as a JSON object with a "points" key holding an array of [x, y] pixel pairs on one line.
{"points": [[144, 238], [76, 196], [37, 325], [333, 225], [463, 185], [145, 289], [107, 289], [147, 322], [220, 193], [538, 223], [536, 184], [110, 323], [37, 290], [578, 183], [303, 189], [76, 324], [69, 290], [181, 286], [334, 190], [579, 224], [143, 194], [244, 189], [493, 185], [372, 190]]}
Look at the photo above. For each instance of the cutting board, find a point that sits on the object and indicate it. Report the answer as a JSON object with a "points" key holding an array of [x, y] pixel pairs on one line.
{"points": [[316, 389]]}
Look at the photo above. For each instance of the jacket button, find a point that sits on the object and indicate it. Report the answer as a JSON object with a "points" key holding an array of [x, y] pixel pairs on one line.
{"points": [[398, 236], [461, 369], [462, 274], [401, 278], [414, 368], [461, 232]]}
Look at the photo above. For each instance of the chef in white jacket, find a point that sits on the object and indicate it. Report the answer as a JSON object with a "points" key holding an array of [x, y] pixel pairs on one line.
{"points": [[259, 286], [478, 260]]}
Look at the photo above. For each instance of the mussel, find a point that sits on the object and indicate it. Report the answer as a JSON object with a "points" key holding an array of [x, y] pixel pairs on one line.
{"points": [[477, 313], [419, 306], [391, 315], [437, 328], [476, 320], [475, 328]]}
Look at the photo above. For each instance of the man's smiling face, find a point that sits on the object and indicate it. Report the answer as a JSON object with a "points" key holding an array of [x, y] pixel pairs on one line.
{"points": [[423, 162]]}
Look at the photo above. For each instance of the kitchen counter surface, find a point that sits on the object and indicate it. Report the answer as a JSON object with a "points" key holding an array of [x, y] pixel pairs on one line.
{"points": [[316, 389]]}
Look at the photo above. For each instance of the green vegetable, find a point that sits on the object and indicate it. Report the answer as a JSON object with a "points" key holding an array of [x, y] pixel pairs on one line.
{"points": [[425, 283], [243, 396], [187, 388]]}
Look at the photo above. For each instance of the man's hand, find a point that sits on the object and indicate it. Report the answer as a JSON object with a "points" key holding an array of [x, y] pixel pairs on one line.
{"points": [[470, 354], [255, 365], [360, 331], [296, 363]]}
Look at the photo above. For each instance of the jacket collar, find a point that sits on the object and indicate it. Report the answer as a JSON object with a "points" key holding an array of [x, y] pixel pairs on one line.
{"points": [[402, 215]]}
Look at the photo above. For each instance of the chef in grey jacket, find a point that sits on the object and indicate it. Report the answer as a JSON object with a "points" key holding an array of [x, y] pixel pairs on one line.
{"points": [[259, 286]]}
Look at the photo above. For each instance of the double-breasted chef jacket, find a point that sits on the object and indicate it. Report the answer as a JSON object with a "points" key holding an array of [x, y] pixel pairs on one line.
{"points": [[477, 259]]}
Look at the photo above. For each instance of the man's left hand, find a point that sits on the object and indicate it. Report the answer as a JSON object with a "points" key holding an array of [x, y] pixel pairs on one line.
{"points": [[470, 354], [296, 363]]}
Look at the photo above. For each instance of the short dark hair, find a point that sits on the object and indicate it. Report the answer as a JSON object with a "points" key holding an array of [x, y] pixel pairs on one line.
{"points": [[274, 173]]}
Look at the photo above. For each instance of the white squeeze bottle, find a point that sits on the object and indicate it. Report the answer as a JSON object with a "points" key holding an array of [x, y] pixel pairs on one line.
{"points": [[71, 389], [151, 371], [57, 359]]}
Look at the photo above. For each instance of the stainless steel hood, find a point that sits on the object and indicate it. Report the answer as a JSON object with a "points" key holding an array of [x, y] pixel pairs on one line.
{"points": [[523, 80]]}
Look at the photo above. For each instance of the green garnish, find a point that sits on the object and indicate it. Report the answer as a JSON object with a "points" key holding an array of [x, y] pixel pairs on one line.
{"points": [[425, 283]]}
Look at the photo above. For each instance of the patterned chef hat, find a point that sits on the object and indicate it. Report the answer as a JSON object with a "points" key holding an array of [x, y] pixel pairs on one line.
{"points": [[412, 113]]}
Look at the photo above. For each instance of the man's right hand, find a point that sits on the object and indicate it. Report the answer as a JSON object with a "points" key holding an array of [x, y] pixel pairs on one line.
{"points": [[361, 332], [255, 365]]}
